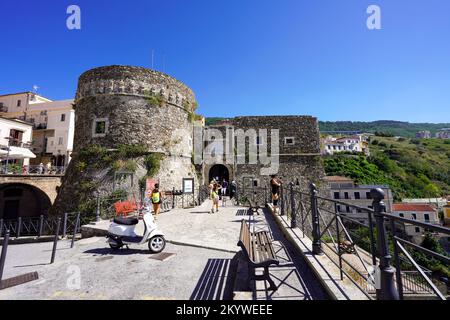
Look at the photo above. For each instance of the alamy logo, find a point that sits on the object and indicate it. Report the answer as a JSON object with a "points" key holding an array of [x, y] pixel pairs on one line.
{"points": [[374, 278], [73, 22], [374, 19], [211, 147], [74, 279]]}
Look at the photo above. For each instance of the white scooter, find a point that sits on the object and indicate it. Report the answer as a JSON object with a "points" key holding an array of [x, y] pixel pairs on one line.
{"points": [[121, 232]]}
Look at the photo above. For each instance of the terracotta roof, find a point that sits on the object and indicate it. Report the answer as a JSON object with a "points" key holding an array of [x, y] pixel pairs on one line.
{"points": [[412, 207], [337, 178]]}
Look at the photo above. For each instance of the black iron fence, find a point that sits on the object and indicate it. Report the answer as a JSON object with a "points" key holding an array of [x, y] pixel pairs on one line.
{"points": [[370, 247], [105, 206], [43, 225]]}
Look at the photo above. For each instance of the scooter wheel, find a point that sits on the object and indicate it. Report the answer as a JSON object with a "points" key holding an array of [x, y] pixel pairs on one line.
{"points": [[156, 244], [115, 245]]}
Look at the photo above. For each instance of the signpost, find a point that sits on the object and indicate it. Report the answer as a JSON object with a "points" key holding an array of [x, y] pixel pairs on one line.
{"points": [[188, 185]]}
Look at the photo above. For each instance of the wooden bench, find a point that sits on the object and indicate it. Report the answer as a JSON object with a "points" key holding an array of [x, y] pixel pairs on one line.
{"points": [[258, 252]]}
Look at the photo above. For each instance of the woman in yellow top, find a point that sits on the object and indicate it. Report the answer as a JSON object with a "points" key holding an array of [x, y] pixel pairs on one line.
{"points": [[156, 197], [215, 198]]}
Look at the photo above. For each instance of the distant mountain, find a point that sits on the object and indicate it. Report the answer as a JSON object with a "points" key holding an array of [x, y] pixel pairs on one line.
{"points": [[396, 128]]}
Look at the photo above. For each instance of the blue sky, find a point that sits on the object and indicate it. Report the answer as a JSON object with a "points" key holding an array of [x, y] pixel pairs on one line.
{"points": [[245, 57]]}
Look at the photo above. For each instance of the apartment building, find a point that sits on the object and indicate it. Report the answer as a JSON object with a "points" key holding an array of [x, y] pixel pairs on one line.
{"points": [[443, 133], [346, 190], [423, 134], [420, 212], [53, 124], [15, 139], [357, 143]]}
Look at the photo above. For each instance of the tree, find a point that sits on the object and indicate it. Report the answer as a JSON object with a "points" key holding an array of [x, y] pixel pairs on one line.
{"points": [[431, 190]]}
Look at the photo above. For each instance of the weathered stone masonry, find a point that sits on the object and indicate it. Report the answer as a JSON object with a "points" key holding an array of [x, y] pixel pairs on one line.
{"points": [[298, 160], [137, 106]]}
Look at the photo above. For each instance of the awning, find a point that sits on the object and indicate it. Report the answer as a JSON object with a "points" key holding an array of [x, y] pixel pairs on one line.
{"points": [[17, 153]]}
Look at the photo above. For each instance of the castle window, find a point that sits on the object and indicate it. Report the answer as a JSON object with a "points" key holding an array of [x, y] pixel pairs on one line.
{"points": [[259, 140], [19, 103], [100, 127], [63, 117], [289, 141]]}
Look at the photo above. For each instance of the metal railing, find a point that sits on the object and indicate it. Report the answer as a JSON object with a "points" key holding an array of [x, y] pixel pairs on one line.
{"points": [[43, 225], [373, 240], [33, 170], [172, 199]]}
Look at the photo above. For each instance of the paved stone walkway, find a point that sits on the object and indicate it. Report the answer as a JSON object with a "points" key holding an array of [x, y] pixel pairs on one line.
{"points": [[203, 266], [293, 277], [198, 227], [105, 274]]}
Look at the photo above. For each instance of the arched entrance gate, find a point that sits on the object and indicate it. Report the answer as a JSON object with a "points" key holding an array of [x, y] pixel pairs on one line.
{"points": [[219, 172]]}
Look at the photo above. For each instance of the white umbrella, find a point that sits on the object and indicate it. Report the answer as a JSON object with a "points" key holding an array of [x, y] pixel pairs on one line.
{"points": [[19, 153]]}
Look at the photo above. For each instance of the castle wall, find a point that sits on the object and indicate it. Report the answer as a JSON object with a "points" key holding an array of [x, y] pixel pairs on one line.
{"points": [[299, 160], [121, 105], [298, 157]]}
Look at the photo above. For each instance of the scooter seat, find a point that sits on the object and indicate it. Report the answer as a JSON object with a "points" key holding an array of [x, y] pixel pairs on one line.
{"points": [[126, 221]]}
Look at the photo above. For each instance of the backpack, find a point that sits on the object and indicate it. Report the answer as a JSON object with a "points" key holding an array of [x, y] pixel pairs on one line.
{"points": [[156, 197]]}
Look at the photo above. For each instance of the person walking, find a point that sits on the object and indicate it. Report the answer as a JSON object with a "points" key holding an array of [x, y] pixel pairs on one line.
{"points": [[219, 190], [215, 198], [48, 167], [275, 185], [41, 168], [233, 188], [224, 187], [156, 198]]}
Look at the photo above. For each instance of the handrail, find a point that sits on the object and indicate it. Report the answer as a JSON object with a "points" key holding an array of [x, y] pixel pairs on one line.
{"points": [[326, 222]]}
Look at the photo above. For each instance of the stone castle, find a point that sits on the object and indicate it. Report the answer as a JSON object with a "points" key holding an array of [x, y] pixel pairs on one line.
{"points": [[132, 123]]}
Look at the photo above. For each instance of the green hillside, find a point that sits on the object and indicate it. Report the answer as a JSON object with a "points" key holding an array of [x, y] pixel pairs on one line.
{"points": [[396, 128], [413, 168]]}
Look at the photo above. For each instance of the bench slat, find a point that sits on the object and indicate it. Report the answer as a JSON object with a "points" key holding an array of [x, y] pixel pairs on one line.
{"points": [[258, 246], [268, 245]]}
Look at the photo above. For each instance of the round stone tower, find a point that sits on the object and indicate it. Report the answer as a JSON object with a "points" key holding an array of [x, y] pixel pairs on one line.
{"points": [[127, 119]]}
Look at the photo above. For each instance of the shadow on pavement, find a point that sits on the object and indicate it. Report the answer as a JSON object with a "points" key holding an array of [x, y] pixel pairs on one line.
{"points": [[216, 281], [293, 277], [118, 252]]}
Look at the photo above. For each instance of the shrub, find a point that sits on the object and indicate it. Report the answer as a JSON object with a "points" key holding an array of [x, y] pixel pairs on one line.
{"points": [[130, 165], [155, 100], [153, 163]]}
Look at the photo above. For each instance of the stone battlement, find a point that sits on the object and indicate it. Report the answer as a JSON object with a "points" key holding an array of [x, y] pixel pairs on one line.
{"points": [[134, 81]]}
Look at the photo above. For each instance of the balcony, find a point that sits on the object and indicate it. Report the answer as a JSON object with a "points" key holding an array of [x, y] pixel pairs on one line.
{"points": [[39, 126]]}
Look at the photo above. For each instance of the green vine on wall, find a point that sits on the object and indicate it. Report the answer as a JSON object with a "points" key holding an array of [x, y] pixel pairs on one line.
{"points": [[154, 99], [100, 157]]}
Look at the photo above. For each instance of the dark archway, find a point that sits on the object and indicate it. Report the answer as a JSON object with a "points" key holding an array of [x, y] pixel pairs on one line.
{"points": [[22, 200], [219, 171]]}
